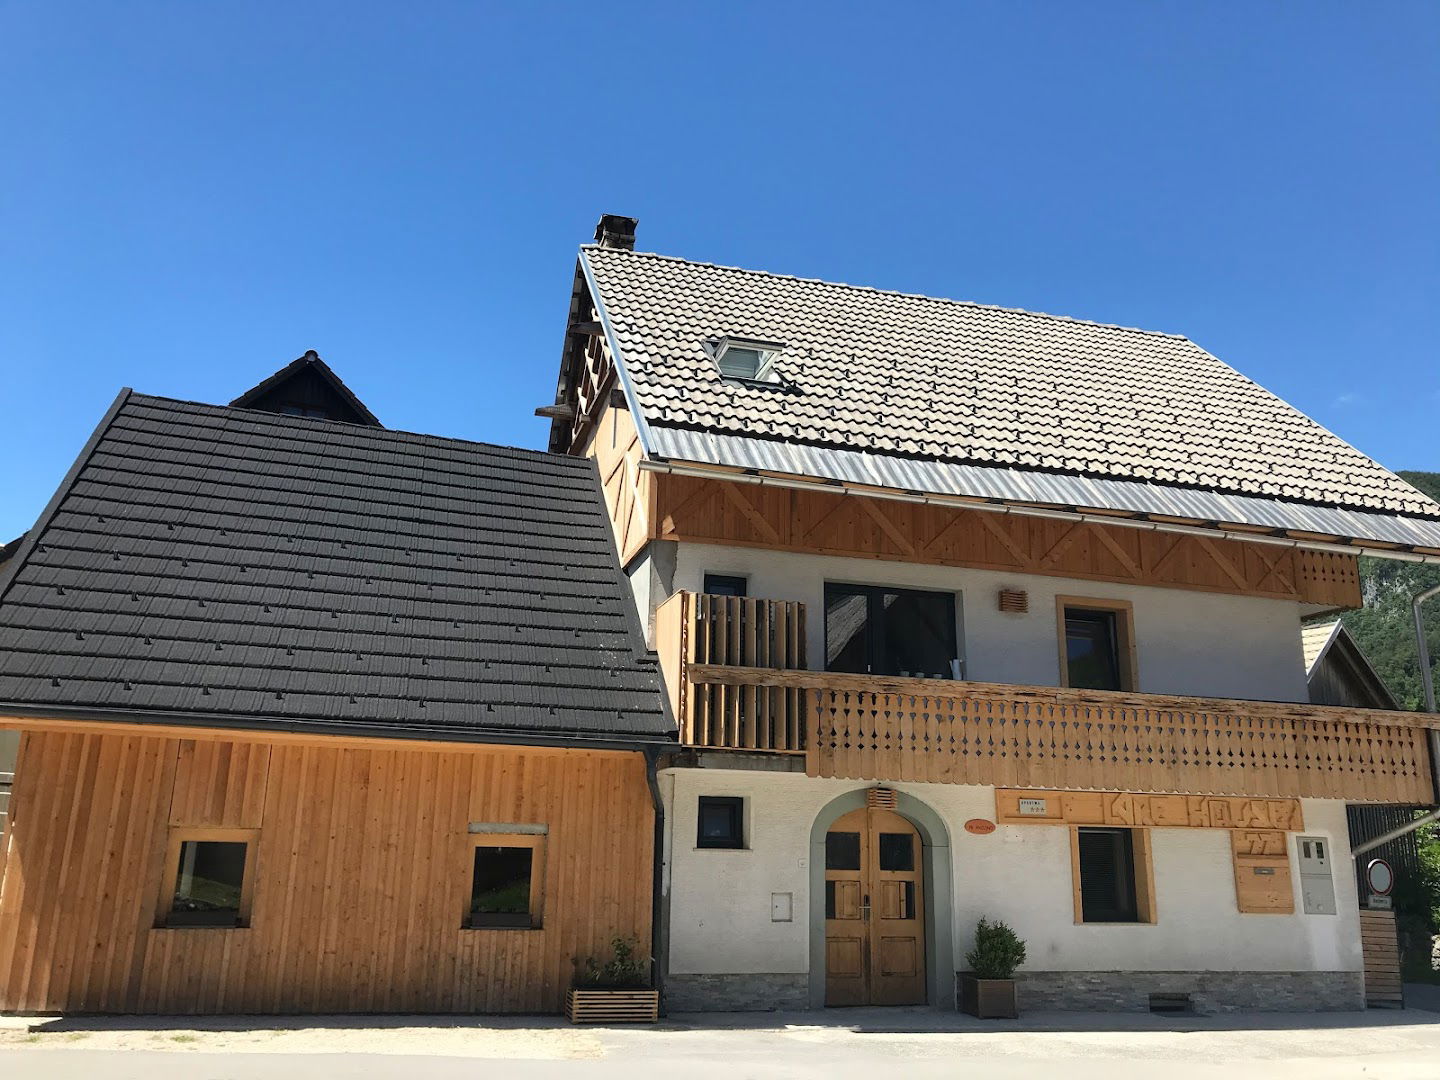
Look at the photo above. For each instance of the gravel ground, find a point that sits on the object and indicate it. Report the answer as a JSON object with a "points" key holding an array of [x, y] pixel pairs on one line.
{"points": [[527, 1038]]}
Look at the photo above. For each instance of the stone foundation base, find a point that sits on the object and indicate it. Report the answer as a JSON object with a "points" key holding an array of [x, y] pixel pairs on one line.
{"points": [[736, 993], [1210, 991]]}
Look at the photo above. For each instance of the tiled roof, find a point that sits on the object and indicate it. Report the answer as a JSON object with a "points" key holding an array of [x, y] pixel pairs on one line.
{"points": [[894, 374], [1314, 638], [230, 563]]}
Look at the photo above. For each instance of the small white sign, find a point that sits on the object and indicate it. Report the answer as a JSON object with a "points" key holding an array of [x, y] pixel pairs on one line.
{"points": [[1035, 807], [1379, 903]]}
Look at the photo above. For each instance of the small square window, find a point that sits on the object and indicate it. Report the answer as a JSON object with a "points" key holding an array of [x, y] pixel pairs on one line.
{"points": [[897, 851], [208, 878], [842, 851], [750, 360], [505, 877], [721, 822], [725, 585]]}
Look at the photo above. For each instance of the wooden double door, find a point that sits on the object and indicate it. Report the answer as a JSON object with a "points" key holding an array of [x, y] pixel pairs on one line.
{"points": [[874, 911]]}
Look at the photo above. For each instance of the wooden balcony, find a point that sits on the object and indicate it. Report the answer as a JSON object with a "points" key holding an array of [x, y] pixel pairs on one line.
{"points": [[734, 669]]}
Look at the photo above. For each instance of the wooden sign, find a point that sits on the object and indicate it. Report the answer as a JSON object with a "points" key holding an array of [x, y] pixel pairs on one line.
{"points": [[1019, 807], [1262, 872], [979, 826]]}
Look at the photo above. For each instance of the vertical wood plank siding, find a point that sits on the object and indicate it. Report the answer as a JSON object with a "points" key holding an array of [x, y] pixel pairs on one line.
{"points": [[362, 878]]}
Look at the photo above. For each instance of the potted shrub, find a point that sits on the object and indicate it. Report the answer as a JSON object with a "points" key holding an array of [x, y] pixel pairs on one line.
{"points": [[613, 990], [987, 990]]}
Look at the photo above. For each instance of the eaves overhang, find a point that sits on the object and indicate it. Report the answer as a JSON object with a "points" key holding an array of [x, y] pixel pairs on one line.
{"points": [[262, 725], [1131, 503]]}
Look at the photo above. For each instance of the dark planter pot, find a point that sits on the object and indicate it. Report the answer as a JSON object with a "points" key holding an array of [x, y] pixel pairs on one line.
{"points": [[989, 999]]}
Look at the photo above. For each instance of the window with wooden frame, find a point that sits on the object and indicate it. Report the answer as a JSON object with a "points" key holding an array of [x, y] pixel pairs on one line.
{"points": [[209, 878], [1113, 875], [1097, 643], [507, 877]]}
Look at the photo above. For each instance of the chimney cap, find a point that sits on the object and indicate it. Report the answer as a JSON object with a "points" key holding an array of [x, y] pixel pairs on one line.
{"points": [[616, 231]]}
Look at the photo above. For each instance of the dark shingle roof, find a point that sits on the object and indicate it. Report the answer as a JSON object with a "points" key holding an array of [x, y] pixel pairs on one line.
{"points": [[238, 564]]}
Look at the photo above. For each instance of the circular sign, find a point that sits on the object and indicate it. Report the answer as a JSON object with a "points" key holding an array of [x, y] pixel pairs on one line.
{"points": [[979, 826], [1380, 877]]}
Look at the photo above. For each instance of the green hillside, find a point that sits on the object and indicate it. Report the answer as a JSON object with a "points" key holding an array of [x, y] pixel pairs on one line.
{"points": [[1383, 627]]}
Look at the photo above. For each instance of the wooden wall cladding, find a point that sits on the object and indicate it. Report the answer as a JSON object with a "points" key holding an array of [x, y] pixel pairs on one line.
{"points": [[362, 879], [724, 512], [1263, 885], [615, 446], [1381, 949]]}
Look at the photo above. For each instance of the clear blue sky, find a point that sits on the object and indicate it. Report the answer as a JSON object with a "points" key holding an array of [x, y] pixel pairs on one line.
{"points": [[192, 194]]}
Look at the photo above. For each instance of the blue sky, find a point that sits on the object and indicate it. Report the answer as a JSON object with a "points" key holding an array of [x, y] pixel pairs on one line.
{"points": [[193, 194]]}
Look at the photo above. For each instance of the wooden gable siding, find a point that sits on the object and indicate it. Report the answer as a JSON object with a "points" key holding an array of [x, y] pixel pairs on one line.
{"points": [[816, 522], [362, 874], [629, 493]]}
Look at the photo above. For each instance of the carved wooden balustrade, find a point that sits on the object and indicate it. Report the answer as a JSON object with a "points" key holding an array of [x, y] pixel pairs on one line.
{"points": [[734, 669]]}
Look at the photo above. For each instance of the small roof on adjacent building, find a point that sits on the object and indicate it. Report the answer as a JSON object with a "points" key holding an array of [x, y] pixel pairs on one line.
{"points": [[942, 396], [1330, 643], [217, 564], [307, 387]]}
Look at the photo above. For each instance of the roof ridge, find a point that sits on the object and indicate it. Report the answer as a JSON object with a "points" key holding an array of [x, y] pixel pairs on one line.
{"points": [[888, 292], [363, 429]]}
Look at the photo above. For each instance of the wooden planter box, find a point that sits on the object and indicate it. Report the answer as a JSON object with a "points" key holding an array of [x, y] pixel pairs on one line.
{"points": [[612, 1006], [989, 999]]}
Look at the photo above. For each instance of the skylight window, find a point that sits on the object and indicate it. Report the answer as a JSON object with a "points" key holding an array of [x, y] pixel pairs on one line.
{"points": [[744, 358]]}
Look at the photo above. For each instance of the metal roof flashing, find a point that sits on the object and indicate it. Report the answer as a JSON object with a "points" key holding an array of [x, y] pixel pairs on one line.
{"points": [[627, 387], [1045, 495]]}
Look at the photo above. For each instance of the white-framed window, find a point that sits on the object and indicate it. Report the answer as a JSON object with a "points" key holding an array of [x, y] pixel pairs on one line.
{"points": [[747, 358]]}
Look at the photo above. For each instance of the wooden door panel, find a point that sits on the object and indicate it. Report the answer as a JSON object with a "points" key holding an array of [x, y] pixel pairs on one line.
{"points": [[845, 957], [845, 896], [899, 956]]}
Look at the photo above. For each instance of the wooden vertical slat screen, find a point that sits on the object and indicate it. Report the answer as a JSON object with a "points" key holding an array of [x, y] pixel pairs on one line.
{"points": [[1381, 948], [735, 631], [362, 876]]}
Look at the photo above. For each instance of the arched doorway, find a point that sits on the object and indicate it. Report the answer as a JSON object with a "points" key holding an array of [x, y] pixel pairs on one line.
{"points": [[874, 910], [910, 960]]}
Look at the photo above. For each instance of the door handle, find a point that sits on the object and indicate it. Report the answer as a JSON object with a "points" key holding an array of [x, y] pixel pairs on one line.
{"points": [[865, 908]]}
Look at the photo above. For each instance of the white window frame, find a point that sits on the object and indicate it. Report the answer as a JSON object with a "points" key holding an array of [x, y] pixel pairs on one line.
{"points": [[768, 351]]}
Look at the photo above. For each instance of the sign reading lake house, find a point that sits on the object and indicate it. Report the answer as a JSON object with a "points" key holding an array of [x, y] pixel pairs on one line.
{"points": [[1015, 806]]}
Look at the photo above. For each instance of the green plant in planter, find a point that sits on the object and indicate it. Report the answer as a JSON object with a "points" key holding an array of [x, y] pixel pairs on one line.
{"points": [[998, 951], [626, 969]]}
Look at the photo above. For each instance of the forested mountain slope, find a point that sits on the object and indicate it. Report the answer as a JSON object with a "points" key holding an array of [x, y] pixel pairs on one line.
{"points": [[1383, 627]]}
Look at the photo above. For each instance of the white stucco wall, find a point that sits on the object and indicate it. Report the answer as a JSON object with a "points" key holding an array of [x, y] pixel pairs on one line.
{"points": [[720, 917], [1187, 642]]}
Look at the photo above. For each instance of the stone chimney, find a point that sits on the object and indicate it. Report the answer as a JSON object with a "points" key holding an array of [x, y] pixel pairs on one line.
{"points": [[615, 231]]}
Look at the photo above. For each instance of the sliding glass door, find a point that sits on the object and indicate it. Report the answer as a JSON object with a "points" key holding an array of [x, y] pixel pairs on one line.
{"points": [[882, 631]]}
